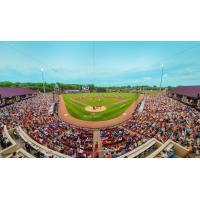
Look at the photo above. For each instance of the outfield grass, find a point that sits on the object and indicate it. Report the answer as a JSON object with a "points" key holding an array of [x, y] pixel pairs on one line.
{"points": [[116, 104]]}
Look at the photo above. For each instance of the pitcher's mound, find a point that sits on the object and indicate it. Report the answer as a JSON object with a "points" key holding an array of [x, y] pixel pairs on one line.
{"points": [[95, 108]]}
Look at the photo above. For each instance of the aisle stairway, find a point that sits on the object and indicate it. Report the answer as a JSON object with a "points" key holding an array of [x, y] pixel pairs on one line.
{"points": [[97, 138]]}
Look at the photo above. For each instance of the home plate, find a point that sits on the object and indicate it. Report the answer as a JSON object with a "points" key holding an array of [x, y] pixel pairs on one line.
{"points": [[124, 113]]}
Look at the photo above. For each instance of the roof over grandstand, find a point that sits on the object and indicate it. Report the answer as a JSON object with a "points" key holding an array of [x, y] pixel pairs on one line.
{"points": [[11, 92], [190, 91]]}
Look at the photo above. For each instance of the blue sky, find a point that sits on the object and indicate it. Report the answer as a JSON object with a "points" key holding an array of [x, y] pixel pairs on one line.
{"points": [[101, 63]]}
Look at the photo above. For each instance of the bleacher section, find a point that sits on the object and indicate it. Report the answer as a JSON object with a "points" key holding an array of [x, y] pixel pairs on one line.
{"points": [[12, 144], [143, 150], [38, 147], [20, 153], [169, 145]]}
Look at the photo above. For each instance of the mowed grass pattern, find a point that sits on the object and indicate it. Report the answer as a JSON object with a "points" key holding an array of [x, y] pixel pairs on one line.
{"points": [[116, 104]]}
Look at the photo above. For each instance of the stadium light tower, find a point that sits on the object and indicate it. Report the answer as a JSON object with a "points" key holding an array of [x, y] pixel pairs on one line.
{"points": [[42, 70], [161, 79]]}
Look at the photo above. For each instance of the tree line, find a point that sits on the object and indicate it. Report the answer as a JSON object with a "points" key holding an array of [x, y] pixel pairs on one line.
{"points": [[48, 86], [63, 86]]}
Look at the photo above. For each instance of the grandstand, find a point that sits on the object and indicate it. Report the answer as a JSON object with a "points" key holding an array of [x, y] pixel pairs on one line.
{"points": [[187, 94], [163, 128], [10, 95]]}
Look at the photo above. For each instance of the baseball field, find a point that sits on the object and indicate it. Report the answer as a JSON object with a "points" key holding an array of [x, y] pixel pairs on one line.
{"points": [[98, 106]]}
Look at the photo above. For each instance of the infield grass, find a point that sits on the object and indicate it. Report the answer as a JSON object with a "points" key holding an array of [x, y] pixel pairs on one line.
{"points": [[116, 104]]}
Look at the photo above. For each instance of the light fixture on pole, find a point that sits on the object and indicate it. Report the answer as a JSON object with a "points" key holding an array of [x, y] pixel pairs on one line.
{"points": [[161, 79], [42, 70]]}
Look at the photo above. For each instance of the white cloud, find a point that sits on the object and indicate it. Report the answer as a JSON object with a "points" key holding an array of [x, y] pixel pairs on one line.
{"points": [[142, 80], [147, 78]]}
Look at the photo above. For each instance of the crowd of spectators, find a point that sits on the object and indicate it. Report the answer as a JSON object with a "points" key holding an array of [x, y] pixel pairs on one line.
{"points": [[165, 118], [118, 141], [162, 118], [47, 129], [4, 142], [167, 154]]}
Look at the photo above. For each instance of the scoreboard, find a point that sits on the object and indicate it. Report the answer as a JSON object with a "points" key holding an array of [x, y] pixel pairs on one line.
{"points": [[85, 88]]}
